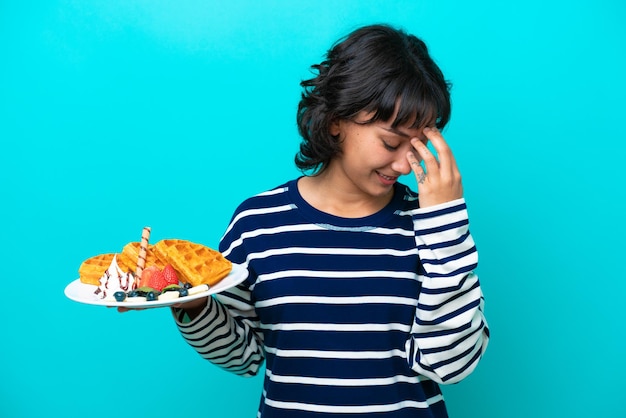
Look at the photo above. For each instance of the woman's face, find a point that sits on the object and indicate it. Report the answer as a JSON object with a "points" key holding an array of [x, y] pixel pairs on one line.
{"points": [[373, 155]]}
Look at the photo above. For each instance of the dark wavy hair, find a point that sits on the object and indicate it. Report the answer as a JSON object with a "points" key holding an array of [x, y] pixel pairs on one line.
{"points": [[377, 69]]}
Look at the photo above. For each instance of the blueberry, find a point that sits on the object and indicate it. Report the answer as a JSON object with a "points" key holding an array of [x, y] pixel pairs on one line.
{"points": [[183, 292], [187, 286], [133, 294], [151, 296], [119, 296]]}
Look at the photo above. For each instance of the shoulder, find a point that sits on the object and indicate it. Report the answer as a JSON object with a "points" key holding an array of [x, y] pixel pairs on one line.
{"points": [[260, 212], [264, 209], [275, 196]]}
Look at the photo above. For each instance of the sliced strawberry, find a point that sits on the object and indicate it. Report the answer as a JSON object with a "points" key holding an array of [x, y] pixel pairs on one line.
{"points": [[153, 277], [157, 280], [146, 274], [170, 275]]}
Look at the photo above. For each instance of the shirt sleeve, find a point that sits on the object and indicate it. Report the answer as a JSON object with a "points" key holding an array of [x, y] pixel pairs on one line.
{"points": [[449, 333], [226, 332]]}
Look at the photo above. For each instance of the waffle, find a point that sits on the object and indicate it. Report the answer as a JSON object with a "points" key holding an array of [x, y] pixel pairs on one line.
{"points": [[92, 269], [195, 263], [127, 259]]}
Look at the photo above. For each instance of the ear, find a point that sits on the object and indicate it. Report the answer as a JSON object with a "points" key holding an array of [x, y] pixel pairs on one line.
{"points": [[335, 127]]}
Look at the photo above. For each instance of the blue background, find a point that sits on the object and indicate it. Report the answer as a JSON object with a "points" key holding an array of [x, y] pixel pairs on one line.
{"points": [[123, 113]]}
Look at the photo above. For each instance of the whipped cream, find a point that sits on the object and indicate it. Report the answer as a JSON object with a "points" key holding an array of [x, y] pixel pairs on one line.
{"points": [[115, 280]]}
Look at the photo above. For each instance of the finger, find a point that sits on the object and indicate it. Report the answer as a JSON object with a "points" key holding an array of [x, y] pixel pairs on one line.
{"points": [[444, 153], [430, 161], [416, 167], [122, 309]]}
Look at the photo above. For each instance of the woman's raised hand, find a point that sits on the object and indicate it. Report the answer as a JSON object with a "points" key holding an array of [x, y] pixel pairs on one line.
{"points": [[439, 180]]}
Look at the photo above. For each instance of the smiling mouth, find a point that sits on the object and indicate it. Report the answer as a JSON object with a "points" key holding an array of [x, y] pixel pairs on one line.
{"points": [[385, 177]]}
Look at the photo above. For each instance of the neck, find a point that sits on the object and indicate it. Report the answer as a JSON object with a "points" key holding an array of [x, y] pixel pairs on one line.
{"points": [[337, 198]]}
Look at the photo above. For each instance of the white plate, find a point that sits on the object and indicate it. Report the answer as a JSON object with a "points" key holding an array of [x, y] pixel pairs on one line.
{"points": [[84, 293]]}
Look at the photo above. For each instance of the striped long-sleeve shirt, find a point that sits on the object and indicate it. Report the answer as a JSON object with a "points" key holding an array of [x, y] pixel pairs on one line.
{"points": [[352, 316]]}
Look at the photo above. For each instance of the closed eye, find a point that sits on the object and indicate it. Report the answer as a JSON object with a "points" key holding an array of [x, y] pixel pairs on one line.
{"points": [[389, 147]]}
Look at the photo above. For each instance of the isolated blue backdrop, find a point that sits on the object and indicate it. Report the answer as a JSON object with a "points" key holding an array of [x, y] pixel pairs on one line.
{"points": [[119, 114]]}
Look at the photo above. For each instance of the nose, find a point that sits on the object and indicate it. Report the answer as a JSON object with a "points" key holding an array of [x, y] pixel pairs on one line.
{"points": [[400, 163]]}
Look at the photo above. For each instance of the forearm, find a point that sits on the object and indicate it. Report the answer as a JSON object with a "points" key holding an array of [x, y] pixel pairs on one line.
{"points": [[187, 312], [222, 337], [450, 332]]}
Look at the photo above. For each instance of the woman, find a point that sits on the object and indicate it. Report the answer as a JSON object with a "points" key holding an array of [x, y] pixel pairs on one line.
{"points": [[361, 296]]}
